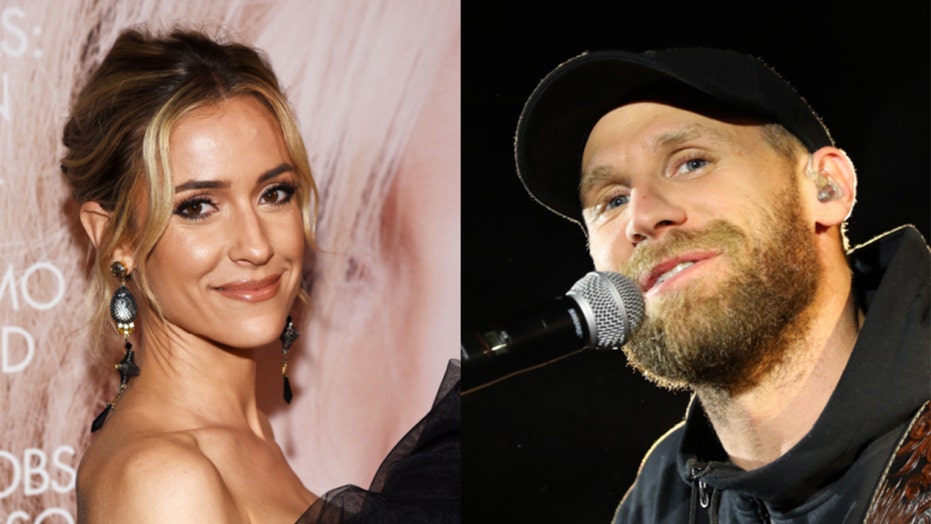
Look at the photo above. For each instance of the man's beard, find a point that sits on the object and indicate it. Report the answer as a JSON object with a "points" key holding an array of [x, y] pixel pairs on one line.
{"points": [[727, 336]]}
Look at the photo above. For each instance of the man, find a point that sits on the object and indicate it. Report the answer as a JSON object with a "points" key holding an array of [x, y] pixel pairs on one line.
{"points": [[704, 177]]}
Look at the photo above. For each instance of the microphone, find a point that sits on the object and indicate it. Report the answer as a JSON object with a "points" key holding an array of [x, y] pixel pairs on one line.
{"points": [[600, 311]]}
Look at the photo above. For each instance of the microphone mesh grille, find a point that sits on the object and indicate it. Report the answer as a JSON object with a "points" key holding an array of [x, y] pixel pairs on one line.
{"points": [[616, 304]]}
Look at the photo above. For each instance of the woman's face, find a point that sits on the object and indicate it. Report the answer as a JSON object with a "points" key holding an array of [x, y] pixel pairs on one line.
{"points": [[228, 266]]}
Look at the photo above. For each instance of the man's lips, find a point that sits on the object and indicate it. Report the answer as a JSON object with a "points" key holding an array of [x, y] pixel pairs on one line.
{"points": [[251, 290], [670, 268]]}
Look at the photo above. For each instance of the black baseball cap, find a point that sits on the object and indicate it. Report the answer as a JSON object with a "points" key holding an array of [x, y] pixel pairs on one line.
{"points": [[564, 107]]}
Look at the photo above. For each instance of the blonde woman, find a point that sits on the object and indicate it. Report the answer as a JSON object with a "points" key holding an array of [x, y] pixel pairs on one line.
{"points": [[195, 189]]}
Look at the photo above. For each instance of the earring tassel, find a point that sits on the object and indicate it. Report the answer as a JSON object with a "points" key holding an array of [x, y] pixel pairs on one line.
{"points": [[287, 390], [127, 369], [288, 336], [98, 422]]}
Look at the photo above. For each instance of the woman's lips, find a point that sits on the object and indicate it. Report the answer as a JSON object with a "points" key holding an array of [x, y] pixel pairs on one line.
{"points": [[251, 290]]}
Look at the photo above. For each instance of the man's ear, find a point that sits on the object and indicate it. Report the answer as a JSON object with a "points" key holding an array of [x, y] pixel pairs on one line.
{"points": [[833, 189], [95, 219]]}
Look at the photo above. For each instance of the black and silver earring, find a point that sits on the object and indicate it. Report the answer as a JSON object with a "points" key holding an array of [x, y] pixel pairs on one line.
{"points": [[288, 336], [123, 310]]}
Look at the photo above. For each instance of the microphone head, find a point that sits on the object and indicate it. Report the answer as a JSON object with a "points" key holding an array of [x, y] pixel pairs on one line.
{"points": [[612, 305]]}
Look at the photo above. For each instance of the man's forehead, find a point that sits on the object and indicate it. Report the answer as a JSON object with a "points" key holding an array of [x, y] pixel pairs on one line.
{"points": [[657, 128], [660, 129], [608, 150]]}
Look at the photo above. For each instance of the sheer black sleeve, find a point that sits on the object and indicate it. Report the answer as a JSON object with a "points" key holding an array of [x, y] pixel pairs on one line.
{"points": [[418, 482]]}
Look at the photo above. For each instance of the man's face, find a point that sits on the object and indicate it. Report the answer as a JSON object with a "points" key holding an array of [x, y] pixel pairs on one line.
{"points": [[705, 216]]}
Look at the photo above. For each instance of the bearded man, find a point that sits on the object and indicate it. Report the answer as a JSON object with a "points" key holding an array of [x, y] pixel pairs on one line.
{"points": [[703, 176]]}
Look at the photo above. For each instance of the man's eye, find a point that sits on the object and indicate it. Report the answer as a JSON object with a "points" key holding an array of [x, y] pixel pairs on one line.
{"points": [[616, 202], [691, 165]]}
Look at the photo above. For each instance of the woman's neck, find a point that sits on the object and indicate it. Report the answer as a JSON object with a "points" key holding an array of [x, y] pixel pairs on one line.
{"points": [[195, 382]]}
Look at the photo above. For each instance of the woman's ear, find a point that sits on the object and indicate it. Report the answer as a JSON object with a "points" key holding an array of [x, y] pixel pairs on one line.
{"points": [[94, 218], [834, 185]]}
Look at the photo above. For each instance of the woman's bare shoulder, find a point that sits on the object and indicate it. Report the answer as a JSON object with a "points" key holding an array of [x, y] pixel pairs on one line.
{"points": [[154, 478]]}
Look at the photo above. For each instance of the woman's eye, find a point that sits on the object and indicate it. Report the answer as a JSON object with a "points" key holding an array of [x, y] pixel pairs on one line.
{"points": [[195, 208], [277, 195]]}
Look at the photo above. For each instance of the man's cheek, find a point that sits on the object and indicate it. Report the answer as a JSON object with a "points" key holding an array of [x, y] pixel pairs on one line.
{"points": [[608, 259]]}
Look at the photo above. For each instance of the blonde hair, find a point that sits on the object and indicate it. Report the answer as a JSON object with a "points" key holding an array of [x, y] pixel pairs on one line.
{"points": [[783, 142], [117, 139]]}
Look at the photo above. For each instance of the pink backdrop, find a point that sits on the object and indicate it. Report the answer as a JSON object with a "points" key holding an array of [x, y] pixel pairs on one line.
{"points": [[375, 84]]}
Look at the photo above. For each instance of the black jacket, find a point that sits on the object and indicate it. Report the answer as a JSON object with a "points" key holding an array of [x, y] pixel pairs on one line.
{"points": [[831, 475]]}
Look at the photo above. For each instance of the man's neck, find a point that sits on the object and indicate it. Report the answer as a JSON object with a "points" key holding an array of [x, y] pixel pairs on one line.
{"points": [[758, 425]]}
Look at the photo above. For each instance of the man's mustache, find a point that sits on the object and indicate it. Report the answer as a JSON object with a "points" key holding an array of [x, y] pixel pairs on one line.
{"points": [[719, 235]]}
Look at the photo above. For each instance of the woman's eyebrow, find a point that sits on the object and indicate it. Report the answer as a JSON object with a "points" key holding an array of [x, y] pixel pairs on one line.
{"points": [[223, 184]]}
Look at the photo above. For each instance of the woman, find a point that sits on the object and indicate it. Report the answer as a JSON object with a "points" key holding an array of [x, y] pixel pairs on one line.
{"points": [[196, 192]]}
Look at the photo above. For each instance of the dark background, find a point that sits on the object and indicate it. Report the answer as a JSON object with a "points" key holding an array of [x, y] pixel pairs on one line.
{"points": [[561, 443]]}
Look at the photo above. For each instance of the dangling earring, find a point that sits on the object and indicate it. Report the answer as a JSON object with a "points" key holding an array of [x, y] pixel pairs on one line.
{"points": [[288, 336], [123, 310]]}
